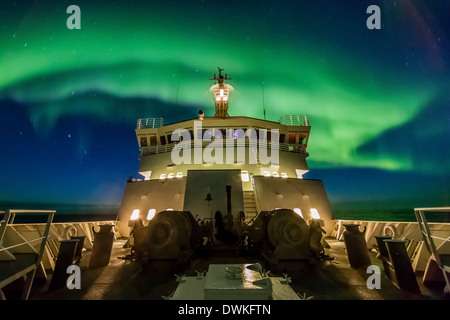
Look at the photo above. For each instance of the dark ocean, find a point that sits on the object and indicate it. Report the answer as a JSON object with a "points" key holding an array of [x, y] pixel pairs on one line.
{"points": [[64, 212], [73, 213], [403, 215]]}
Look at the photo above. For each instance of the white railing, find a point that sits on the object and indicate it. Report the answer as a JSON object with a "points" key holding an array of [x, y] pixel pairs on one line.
{"points": [[294, 120], [428, 239], [28, 270], [226, 143], [149, 123]]}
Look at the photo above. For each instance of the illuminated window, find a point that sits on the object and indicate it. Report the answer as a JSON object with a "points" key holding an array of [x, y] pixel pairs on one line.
{"points": [[315, 213], [146, 174], [275, 174], [266, 173], [244, 176], [162, 177], [169, 209], [170, 176], [179, 174], [151, 214], [135, 214], [299, 173], [239, 134], [298, 211], [284, 175]]}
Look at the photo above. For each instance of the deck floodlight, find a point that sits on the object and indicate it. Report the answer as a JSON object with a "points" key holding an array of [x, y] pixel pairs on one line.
{"points": [[135, 214]]}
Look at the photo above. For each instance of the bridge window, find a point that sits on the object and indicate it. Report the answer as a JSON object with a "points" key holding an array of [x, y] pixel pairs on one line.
{"points": [[144, 141], [153, 141], [292, 137], [239, 134], [224, 133], [162, 140]]}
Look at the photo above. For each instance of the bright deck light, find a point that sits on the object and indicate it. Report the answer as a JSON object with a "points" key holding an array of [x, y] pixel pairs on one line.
{"points": [[151, 214], [298, 211], [244, 176], [135, 214], [315, 213]]}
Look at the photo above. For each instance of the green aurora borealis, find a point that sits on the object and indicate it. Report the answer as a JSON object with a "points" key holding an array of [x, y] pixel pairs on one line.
{"points": [[355, 84]]}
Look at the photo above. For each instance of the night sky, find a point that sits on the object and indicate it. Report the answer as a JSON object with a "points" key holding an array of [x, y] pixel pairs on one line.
{"points": [[378, 100]]}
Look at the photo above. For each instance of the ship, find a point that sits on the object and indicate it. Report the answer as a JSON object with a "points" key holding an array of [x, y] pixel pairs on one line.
{"points": [[224, 204]]}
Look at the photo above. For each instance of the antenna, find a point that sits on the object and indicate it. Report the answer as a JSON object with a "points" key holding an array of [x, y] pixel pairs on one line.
{"points": [[264, 107], [176, 98]]}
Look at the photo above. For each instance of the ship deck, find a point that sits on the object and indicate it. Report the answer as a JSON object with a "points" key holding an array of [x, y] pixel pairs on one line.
{"points": [[327, 280]]}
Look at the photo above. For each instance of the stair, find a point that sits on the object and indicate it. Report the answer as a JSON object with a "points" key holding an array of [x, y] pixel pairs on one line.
{"points": [[249, 204]]}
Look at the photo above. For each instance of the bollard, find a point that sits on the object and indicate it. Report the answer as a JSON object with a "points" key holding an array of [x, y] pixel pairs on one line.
{"points": [[101, 250], [79, 249], [65, 258], [384, 254], [404, 274], [355, 243]]}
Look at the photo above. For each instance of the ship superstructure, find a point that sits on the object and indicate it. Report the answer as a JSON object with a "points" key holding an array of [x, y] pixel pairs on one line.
{"points": [[187, 166]]}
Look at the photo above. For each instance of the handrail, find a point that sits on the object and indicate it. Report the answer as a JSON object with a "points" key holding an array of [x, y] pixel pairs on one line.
{"points": [[21, 244], [296, 148], [149, 123], [9, 220], [294, 120], [31, 211], [428, 238]]}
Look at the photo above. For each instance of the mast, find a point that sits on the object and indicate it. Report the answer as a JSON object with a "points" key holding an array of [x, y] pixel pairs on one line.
{"points": [[221, 94]]}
